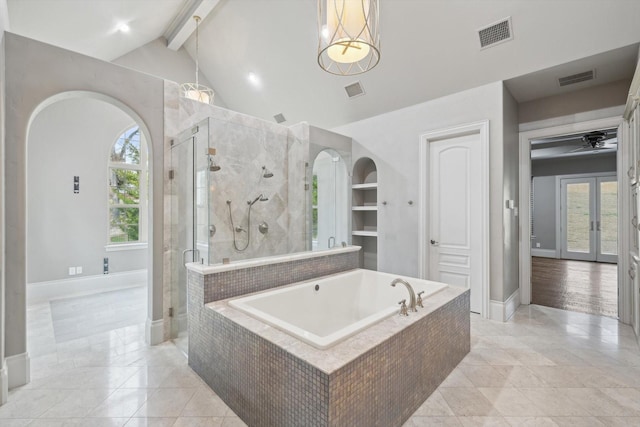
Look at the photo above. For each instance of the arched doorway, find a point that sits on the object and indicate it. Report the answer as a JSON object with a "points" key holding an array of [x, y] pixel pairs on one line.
{"points": [[86, 269]]}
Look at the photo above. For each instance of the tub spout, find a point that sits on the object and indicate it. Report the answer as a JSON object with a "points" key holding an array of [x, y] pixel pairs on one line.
{"points": [[412, 295]]}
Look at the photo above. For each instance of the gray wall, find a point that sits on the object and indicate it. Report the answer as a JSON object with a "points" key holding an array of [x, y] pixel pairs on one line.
{"points": [[580, 101], [545, 190], [72, 137], [3, 373], [511, 190], [544, 212], [392, 141], [157, 59], [36, 73], [574, 165]]}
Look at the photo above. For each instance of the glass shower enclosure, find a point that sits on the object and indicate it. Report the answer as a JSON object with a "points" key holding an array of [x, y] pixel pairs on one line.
{"points": [[191, 160], [240, 185]]}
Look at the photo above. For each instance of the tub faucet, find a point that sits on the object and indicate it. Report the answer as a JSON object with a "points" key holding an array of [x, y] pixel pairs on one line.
{"points": [[412, 295]]}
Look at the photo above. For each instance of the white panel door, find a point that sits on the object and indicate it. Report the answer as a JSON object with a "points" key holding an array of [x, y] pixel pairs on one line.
{"points": [[455, 233]]}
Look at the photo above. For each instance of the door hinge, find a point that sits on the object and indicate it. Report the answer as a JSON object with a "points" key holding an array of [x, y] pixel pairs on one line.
{"points": [[170, 311], [306, 187], [171, 174]]}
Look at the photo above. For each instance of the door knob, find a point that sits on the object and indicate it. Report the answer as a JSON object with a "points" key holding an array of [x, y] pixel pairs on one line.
{"points": [[434, 243]]}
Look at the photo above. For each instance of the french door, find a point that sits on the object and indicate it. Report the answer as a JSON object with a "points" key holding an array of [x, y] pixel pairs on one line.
{"points": [[589, 209]]}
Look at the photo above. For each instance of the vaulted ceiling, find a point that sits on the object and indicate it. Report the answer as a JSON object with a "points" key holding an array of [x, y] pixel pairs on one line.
{"points": [[429, 48]]}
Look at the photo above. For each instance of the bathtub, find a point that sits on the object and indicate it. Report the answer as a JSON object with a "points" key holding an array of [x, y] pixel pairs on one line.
{"points": [[325, 311]]}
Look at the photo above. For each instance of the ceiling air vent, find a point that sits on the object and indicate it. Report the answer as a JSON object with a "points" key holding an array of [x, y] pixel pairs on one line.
{"points": [[495, 33], [354, 89], [279, 118], [577, 78]]}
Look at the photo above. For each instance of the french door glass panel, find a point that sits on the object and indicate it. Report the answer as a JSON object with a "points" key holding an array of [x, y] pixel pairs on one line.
{"points": [[589, 218], [607, 222], [579, 222]]}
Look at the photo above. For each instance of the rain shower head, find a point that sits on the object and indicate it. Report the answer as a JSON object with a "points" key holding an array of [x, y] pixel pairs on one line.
{"points": [[266, 173], [213, 167]]}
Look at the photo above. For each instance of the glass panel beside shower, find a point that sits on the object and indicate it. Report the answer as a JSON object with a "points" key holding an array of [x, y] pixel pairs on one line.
{"points": [[190, 160]]}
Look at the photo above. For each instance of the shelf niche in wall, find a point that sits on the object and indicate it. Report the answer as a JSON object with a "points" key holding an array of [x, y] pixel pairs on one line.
{"points": [[364, 223]]}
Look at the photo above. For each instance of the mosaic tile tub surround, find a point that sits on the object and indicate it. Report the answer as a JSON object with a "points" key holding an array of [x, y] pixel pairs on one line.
{"points": [[378, 377]]}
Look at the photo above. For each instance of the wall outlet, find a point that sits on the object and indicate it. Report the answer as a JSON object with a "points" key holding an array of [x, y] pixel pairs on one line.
{"points": [[537, 245], [78, 270], [72, 271]]}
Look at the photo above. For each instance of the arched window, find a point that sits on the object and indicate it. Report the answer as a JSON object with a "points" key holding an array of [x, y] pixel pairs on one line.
{"points": [[128, 177]]}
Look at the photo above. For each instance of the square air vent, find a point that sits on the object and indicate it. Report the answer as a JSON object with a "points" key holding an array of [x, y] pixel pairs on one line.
{"points": [[354, 89], [496, 33], [279, 118], [577, 78]]}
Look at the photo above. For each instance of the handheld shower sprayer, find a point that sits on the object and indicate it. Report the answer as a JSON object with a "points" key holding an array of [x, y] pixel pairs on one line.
{"points": [[260, 198]]}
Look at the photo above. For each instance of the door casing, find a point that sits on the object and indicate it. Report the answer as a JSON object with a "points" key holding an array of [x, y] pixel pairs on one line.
{"points": [[549, 129]]}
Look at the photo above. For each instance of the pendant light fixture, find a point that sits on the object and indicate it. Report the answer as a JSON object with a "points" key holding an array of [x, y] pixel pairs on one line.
{"points": [[196, 91], [348, 36]]}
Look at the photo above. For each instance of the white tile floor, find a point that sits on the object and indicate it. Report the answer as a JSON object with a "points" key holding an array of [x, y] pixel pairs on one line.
{"points": [[545, 367]]}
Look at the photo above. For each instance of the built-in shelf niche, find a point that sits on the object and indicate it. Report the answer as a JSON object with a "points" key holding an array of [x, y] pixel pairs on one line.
{"points": [[364, 209]]}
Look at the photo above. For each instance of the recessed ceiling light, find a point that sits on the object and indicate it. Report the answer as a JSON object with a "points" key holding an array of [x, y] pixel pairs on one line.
{"points": [[253, 79], [123, 27]]}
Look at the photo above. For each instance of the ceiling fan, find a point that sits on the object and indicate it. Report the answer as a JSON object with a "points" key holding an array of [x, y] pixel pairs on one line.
{"points": [[596, 140]]}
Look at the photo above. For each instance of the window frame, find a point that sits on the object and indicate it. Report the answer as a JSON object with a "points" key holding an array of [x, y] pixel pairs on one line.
{"points": [[143, 199]]}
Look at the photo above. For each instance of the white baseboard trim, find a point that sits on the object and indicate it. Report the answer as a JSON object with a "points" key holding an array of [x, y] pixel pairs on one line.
{"points": [[154, 331], [544, 253], [502, 311], [4, 384], [42, 292], [18, 370]]}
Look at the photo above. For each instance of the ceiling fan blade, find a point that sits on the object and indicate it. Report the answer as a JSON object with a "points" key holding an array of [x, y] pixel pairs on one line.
{"points": [[575, 150]]}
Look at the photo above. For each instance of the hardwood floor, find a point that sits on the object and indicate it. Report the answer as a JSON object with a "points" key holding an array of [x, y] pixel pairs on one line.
{"points": [[587, 287]]}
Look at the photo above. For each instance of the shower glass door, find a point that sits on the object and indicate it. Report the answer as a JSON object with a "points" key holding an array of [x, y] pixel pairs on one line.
{"points": [[189, 219]]}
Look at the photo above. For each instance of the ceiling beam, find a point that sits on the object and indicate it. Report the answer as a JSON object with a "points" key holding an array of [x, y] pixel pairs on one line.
{"points": [[183, 25]]}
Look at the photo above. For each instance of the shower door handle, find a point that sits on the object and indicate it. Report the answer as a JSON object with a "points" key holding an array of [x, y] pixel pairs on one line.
{"points": [[196, 252]]}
